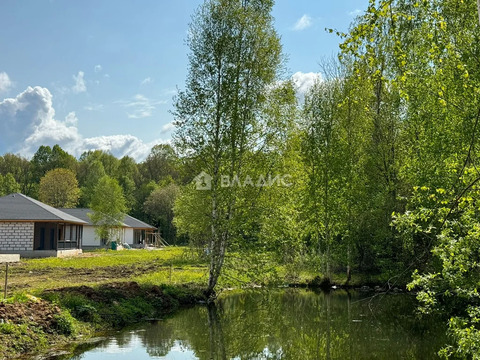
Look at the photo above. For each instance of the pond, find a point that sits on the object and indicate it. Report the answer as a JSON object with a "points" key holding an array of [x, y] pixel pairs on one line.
{"points": [[287, 324]]}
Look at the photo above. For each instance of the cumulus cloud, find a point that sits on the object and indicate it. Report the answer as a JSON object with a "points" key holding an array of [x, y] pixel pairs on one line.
{"points": [[97, 68], [28, 121], [304, 22], [140, 106], [119, 145], [147, 80], [79, 83], [71, 118], [5, 82], [304, 81]]}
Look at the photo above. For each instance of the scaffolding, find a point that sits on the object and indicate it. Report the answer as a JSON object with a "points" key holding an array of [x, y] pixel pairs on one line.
{"points": [[154, 239]]}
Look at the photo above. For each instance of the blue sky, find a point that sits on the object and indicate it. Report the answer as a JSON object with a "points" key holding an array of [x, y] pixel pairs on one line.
{"points": [[101, 74]]}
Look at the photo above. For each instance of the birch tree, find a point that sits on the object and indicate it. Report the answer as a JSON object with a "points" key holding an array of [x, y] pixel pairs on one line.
{"points": [[235, 55]]}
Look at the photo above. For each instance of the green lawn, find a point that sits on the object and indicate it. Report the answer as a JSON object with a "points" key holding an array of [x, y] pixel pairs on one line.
{"points": [[171, 265]]}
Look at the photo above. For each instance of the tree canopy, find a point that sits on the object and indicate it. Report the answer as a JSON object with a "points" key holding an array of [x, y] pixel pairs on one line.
{"points": [[59, 188]]}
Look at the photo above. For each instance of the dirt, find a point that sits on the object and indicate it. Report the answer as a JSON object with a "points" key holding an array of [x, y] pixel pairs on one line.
{"points": [[39, 312]]}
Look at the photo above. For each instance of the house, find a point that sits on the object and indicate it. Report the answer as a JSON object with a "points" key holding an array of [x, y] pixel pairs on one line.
{"points": [[33, 229], [132, 231]]}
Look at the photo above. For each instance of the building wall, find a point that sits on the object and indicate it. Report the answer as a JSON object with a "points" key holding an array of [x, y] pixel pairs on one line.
{"points": [[16, 236], [89, 236], [129, 236]]}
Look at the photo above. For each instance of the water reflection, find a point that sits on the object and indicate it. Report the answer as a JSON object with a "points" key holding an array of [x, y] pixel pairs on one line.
{"points": [[291, 324]]}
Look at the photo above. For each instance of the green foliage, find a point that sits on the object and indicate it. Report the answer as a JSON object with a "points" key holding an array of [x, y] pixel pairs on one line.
{"points": [[108, 205], [64, 323], [449, 284], [159, 206], [224, 123], [8, 185], [22, 338], [59, 188]]}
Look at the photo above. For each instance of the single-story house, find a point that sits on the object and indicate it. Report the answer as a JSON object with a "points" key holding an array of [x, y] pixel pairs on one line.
{"points": [[133, 232], [33, 229]]}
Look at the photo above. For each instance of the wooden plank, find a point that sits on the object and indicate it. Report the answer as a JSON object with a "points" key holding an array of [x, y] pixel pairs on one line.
{"points": [[9, 258]]}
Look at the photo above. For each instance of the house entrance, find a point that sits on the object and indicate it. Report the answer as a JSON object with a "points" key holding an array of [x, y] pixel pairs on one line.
{"points": [[44, 236]]}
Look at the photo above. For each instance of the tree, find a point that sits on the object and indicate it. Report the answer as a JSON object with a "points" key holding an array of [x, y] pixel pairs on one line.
{"points": [[128, 177], [21, 170], [8, 185], [235, 56], [108, 205], [47, 158], [59, 188], [90, 173], [159, 205], [424, 56], [160, 163]]}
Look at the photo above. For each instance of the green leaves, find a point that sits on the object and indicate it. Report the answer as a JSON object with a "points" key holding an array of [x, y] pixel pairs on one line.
{"points": [[108, 205], [59, 188]]}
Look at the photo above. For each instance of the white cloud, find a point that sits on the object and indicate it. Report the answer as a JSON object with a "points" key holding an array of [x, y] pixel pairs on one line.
{"points": [[167, 127], [79, 83], [355, 12], [119, 145], [97, 68], [147, 80], [304, 81], [140, 106], [71, 118], [304, 22], [28, 121], [5, 82]]}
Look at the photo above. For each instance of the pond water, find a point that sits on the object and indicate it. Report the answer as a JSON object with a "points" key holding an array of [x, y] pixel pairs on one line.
{"points": [[288, 324]]}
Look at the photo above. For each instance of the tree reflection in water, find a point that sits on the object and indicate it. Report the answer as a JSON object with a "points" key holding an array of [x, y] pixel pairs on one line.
{"points": [[291, 324]]}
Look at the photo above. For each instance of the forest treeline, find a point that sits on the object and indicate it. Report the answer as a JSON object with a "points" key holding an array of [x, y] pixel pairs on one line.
{"points": [[59, 179]]}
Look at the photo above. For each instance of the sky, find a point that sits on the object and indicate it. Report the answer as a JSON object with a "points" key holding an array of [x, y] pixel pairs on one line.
{"points": [[101, 74]]}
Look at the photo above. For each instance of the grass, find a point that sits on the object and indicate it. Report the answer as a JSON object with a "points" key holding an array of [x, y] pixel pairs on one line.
{"points": [[172, 265]]}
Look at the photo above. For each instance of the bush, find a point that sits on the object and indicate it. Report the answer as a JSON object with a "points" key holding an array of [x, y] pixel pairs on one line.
{"points": [[65, 323]]}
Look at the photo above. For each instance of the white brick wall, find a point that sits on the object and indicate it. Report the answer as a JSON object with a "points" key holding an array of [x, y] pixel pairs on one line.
{"points": [[16, 236]]}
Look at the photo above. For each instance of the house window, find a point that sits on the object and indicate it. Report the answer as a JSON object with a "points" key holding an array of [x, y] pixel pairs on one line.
{"points": [[69, 236]]}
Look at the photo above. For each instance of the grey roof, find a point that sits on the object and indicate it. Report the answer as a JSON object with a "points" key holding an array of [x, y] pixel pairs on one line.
{"points": [[137, 224], [80, 213], [18, 207], [128, 221]]}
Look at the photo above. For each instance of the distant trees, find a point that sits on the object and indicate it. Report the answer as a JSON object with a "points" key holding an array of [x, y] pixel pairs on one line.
{"points": [[46, 159], [159, 206], [162, 162], [52, 173], [59, 188]]}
